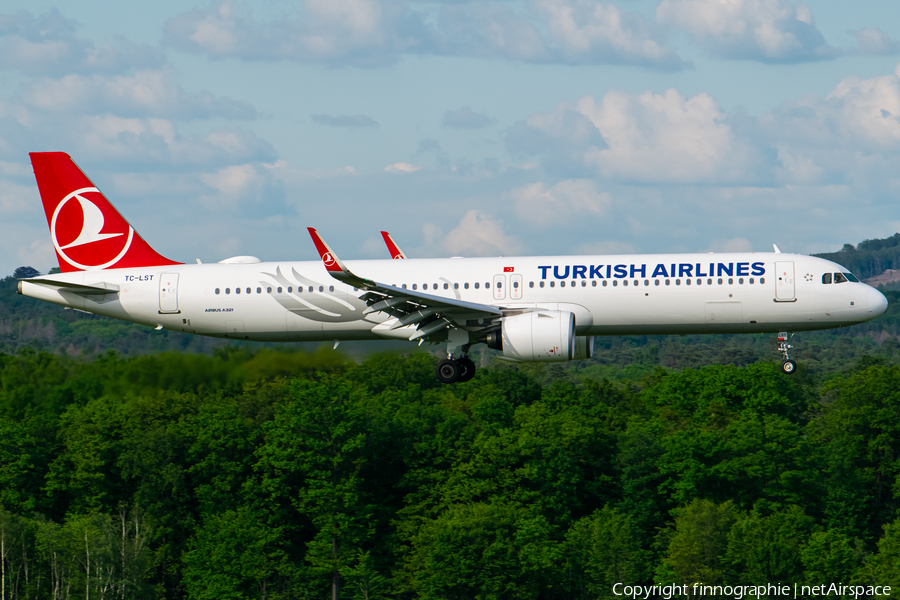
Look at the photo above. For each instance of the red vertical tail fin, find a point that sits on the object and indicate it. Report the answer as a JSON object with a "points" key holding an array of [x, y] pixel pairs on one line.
{"points": [[88, 233]]}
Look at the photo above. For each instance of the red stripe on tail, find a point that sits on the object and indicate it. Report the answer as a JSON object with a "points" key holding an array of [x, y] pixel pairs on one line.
{"points": [[87, 231]]}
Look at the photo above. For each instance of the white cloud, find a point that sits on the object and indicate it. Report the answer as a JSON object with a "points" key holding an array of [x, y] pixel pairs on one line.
{"points": [[872, 40], [586, 29], [764, 30], [480, 235], [543, 206], [401, 167], [145, 93], [378, 32], [650, 138], [359, 32], [48, 45]]}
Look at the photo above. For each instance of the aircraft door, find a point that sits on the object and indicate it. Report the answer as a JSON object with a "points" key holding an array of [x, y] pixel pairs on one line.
{"points": [[515, 287], [168, 293], [499, 287], [784, 281]]}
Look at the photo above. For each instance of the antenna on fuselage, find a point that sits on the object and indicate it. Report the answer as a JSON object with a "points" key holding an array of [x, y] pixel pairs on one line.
{"points": [[777, 251]]}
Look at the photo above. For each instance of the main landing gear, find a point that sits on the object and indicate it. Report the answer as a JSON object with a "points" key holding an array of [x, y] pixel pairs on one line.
{"points": [[452, 370], [788, 366]]}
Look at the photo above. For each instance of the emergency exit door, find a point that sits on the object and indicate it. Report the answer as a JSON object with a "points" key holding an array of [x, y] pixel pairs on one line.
{"points": [[784, 281], [168, 293], [499, 287]]}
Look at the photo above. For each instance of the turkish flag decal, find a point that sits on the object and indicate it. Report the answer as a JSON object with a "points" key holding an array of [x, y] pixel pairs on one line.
{"points": [[508, 269]]}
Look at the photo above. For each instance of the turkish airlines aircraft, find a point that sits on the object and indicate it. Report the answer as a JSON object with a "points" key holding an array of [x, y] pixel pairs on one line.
{"points": [[529, 308]]}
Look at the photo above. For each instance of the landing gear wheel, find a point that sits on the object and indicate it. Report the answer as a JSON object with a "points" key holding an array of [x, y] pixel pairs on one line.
{"points": [[466, 368], [788, 367], [448, 371]]}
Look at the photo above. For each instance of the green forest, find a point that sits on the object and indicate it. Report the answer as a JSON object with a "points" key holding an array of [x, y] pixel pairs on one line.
{"points": [[279, 475], [149, 464]]}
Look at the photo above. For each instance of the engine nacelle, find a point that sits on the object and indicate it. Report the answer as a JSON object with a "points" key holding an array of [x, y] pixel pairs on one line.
{"points": [[584, 347], [545, 336]]}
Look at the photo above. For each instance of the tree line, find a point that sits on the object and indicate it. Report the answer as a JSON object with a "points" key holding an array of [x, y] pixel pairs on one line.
{"points": [[273, 475]]}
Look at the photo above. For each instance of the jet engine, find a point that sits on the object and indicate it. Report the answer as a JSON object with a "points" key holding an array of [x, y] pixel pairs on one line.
{"points": [[545, 336], [584, 347]]}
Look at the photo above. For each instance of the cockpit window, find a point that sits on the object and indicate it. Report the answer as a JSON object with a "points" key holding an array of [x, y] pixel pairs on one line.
{"points": [[839, 278], [851, 277], [826, 278]]}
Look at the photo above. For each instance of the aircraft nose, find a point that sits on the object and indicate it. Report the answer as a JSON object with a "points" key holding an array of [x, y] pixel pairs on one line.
{"points": [[877, 302]]}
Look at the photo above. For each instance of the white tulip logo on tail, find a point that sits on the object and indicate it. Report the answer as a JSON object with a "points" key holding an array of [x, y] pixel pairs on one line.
{"points": [[90, 247]]}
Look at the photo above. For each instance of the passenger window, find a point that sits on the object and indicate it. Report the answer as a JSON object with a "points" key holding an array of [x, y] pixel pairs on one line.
{"points": [[487, 285], [446, 286], [667, 282], [604, 283], [678, 282], [839, 278], [466, 285], [687, 281], [227, 290], [751, 280], [404, 286], [646, 282], [531, 284], [709, 282], [269, 290], [625, 283], [762, 279], [720, 281], [656, 282], [415, 287], [594, 283], [435, 286], [279, 290], [330, 288], [321, 288], [699, 282], [310, 289], [583, 283], [562, 284], [542, 284], [237, 290], [217, 291], [290, 289], [741, 280], [455, 286], [476, 285], [730, 281], [615, 283], [299, 289], [249, 291], [826, 278], [499, 285]]}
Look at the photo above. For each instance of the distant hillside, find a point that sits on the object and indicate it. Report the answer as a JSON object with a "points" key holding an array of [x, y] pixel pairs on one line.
{"points": [[869, 258]]}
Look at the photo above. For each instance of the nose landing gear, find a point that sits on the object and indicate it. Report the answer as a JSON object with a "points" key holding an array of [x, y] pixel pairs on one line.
{"points": [[788, 366]]}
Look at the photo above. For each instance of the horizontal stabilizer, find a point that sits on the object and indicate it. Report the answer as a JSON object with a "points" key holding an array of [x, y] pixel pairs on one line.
{"points": [[78, 288]]}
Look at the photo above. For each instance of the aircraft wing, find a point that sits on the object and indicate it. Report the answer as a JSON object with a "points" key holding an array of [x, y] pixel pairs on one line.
{"points": [[432, 314], [393, 248]]}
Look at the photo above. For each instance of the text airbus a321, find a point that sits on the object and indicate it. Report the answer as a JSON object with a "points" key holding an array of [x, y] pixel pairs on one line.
{"points": [[531, 309]]}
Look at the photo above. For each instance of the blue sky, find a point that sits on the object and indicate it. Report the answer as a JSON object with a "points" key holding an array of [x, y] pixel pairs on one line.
{"points": [[472, 129]]}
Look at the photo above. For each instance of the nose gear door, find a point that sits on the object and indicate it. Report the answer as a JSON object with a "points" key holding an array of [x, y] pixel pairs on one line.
{"points": [[784, 281]]}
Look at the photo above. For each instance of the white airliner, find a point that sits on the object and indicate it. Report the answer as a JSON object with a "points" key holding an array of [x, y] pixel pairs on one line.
{"points": [[543, 309]]}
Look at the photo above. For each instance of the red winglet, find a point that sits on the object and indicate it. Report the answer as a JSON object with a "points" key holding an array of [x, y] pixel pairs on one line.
{"points": [[396, 252], [332, 262], [87, 231]]}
